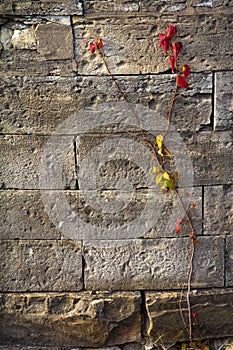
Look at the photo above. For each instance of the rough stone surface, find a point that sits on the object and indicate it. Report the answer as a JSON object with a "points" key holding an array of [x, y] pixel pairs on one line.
{"points": [[20, 160], [40, 266], [40, 105], [152, 264], [68, 319], [23, 216], [33, 47], [214, 308], [155, 93], [223, 103], [211, 154], [37, 104], [229, 261], [42, 7], [218, 210], [131, 43], [114, 6]]}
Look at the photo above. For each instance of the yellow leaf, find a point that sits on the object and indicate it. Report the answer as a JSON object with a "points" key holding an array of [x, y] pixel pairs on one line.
{"points": [[156, 169], [159, 140], [183, 346], [160, 152], [158, 178], [166, 175]]}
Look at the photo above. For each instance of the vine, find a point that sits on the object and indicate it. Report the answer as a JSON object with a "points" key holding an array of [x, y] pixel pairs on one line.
{"points": [[165, 178]]}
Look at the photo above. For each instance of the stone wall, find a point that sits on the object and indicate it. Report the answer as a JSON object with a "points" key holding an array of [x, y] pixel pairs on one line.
{"points": [[93, 280]]}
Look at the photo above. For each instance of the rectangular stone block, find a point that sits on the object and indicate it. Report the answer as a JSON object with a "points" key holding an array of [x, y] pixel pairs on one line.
{"points": [[211, 155], [41, 46], [40, 266], [191, 111], [23, 216], [152, 264], [71, 319], [37, 104], [21, 162], [131, 43], [223, 102], [229, 261], [41, 7], [214, 310], [218, 210]]}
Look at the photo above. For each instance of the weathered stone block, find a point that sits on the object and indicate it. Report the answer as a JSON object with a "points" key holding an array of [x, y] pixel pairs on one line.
{"points": [[131, 43], [40, 105], [41, 7], [191, 111], [218, 211], [229, 261], [214, 309], [113, 6], [223, 103], [40, 266], [36, 104], [23, 216], [211, 154], [152, 264], [41, 46], [81, 319], [20, 160]]}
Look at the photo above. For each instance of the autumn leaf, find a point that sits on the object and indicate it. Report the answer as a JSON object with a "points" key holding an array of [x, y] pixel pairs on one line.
{"points": [[171, 31], [176, 48], [186, 70], [182, 82], [159, 140], [92, 47], [158, 178]]}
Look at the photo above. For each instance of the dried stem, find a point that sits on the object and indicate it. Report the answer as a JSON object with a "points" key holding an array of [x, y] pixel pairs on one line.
{"points": [[120, 91], [193, 239]]}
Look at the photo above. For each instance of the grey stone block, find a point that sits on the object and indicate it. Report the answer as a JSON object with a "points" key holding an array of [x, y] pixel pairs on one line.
{"points": [[71, 319], [23, 217], [152, 264], [211, 154], [21, 163], [37, 104], [223, 103], [191, 111], [131, 43], [229, 261], [46, 50], [214, 314], [40, 266], [218, 211], [41, 7]]}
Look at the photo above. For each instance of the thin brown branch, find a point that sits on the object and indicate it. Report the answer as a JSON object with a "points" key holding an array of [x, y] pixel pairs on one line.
{"points": [[121, 92], [189, 290]]}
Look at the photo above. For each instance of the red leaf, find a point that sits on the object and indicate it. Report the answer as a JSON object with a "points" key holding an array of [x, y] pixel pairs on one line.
{"points": [[193, 205], [172, 63], [92, 47], [179, 221], [194, 314], [99, 43], [176, 48], [164, 42], [171, 31], [186, 70], [178, 229], [182, 82]]}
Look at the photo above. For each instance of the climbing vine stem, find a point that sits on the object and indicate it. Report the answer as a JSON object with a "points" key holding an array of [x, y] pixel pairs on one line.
{"points": [[167, 180]]}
